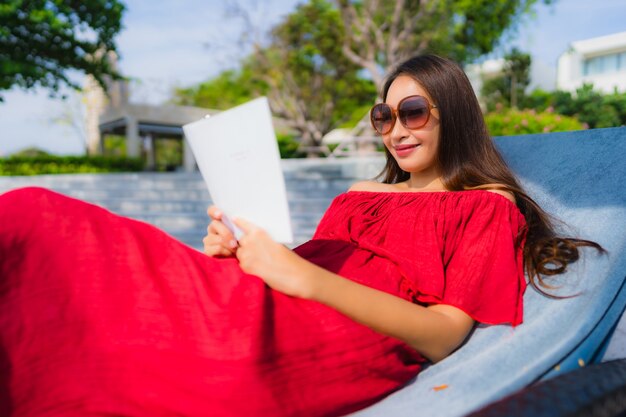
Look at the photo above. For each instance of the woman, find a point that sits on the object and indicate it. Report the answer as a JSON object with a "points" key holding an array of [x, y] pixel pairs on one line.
{"points": [[104, 315]]}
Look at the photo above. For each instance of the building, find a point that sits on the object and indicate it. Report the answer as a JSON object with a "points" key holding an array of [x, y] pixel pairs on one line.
{"points": [[599, 61]]}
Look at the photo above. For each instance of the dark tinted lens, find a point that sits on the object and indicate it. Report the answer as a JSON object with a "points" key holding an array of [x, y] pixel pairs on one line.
{"points": [[382, 118], [413, 112]]}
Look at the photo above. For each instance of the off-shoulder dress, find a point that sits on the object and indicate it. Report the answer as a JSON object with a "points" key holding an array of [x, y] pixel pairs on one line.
{"points": [[104, 315]]}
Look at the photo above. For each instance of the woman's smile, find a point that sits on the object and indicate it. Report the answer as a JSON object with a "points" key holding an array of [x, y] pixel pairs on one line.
{"points": [[405, 149]]}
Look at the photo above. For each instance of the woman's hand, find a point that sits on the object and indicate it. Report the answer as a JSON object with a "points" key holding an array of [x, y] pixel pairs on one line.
{"points": [[219, 240], [280, 268]]}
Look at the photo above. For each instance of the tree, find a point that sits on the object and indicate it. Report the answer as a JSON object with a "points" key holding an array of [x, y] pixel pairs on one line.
{"points": [[42, 40], [230, 88], [508, 88], [310, 84], [378, 35]]}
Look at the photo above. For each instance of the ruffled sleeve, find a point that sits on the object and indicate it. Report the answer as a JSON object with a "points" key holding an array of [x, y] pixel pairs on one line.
{"points": [[482, 259]]}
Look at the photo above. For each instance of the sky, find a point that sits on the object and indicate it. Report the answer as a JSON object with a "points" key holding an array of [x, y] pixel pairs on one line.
{"points": [[168, 44]]}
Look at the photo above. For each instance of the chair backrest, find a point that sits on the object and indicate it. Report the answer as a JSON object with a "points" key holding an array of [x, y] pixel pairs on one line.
{"points": [[579, 177]]}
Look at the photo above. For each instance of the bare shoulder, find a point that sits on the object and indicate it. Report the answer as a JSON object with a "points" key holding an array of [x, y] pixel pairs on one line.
{"points": [[508, 195], [367, 186]]}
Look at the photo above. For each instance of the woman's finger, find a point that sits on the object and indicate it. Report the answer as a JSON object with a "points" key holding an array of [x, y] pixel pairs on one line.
{"points": [[216, 248], [214, 213], [219, 228]]}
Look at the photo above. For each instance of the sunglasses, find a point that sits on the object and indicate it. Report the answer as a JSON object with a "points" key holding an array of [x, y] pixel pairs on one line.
{"points": [[413, 112]]}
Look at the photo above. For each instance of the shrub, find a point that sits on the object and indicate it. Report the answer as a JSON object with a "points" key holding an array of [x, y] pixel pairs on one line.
{"points": [[522, 122], [50, 164], [288, 146], [593, 108]]}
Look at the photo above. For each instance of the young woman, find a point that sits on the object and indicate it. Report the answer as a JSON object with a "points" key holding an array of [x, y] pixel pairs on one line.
{"points": [[101, 314]]}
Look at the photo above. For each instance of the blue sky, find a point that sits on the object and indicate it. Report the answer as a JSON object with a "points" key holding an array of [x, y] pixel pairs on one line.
{"points": [[163, 46]]}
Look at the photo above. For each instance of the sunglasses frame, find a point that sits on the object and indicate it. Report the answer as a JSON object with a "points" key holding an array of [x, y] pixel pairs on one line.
{"points": [[395, 115]]}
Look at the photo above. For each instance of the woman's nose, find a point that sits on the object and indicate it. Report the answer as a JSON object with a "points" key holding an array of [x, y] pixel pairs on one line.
{"points": [[398, 130]]}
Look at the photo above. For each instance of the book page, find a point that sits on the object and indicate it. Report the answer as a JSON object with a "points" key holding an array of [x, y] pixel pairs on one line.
{"points": [[237, 154]]}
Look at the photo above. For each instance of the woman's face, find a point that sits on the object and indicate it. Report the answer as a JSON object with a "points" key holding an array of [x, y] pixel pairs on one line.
{"points": [[415, 150]]}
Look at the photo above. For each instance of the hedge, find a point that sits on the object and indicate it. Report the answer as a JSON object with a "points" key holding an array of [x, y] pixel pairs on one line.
{"points": [[50, 164], [522, 122]]}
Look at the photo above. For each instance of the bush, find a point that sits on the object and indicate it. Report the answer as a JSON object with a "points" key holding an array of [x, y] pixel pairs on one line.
{"points": [[591, 107], [288, 146], [516, 122], [50, 164]]}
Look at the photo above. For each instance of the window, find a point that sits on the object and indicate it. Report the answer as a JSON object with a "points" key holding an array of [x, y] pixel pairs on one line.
{"points": [[604, 64], [621, 61]]}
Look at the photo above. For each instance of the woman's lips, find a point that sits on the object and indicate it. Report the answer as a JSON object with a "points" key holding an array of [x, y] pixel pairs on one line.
{"points": [[404, 150]]}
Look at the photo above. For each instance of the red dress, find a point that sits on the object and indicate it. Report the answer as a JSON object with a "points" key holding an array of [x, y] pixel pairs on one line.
{"points": [[104, 315]]}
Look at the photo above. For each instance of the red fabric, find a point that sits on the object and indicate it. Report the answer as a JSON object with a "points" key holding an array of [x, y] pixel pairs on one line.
{"points": [[104, 315]]}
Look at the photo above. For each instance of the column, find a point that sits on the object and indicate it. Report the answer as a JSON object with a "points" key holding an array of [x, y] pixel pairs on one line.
{"points": [[133, 142]]}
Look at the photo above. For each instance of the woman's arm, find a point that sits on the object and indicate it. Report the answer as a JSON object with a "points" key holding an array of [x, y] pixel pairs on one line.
{"points": [[434, 331]]}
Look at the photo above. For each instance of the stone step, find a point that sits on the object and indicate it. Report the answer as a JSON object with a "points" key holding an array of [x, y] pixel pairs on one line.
{"points": [[178, 195], [183, 221], [177, 203], [139, 191], [196, 207]]}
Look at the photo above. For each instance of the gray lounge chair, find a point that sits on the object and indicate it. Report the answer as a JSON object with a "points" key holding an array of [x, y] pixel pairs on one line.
{"points": [[579, 177]]}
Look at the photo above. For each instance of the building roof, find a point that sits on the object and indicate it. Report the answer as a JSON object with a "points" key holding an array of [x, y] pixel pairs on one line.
{"points": [[601, 45]]}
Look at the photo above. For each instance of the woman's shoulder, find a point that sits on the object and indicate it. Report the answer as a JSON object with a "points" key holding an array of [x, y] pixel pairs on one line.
{"points": [[372, 186], [506, 194]]}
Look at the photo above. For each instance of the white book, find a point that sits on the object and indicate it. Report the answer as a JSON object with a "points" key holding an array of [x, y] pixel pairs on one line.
{"points": [[237, 154]]}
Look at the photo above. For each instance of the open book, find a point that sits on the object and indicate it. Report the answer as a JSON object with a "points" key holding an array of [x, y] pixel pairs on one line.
{"points": [[237, 154]]}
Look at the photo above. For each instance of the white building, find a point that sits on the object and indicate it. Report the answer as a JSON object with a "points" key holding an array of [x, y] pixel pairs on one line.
{"points": [[599, 61]]}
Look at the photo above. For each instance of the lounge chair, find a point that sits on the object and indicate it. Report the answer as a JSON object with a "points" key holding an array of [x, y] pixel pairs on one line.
{"points": [[580, 178]]}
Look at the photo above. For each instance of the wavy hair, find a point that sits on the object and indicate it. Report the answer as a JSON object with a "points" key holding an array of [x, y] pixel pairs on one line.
{"points": [[468, 159]]}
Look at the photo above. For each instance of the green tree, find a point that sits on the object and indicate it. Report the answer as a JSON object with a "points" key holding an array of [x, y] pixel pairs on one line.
{"points": [[312, 84], [380, 34], [508, 88], [228, 89], [42, 40]]}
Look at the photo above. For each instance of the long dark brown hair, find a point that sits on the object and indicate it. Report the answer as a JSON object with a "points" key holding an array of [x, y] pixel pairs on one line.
{"points": [[468, 159]]}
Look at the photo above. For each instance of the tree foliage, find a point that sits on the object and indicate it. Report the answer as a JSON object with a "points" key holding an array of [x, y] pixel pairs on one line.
{"points": [[508, 91], [42, 40], [312, 84], [228, 89], [378, 35], [508, 88], [591, 107], [324, 63]]}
